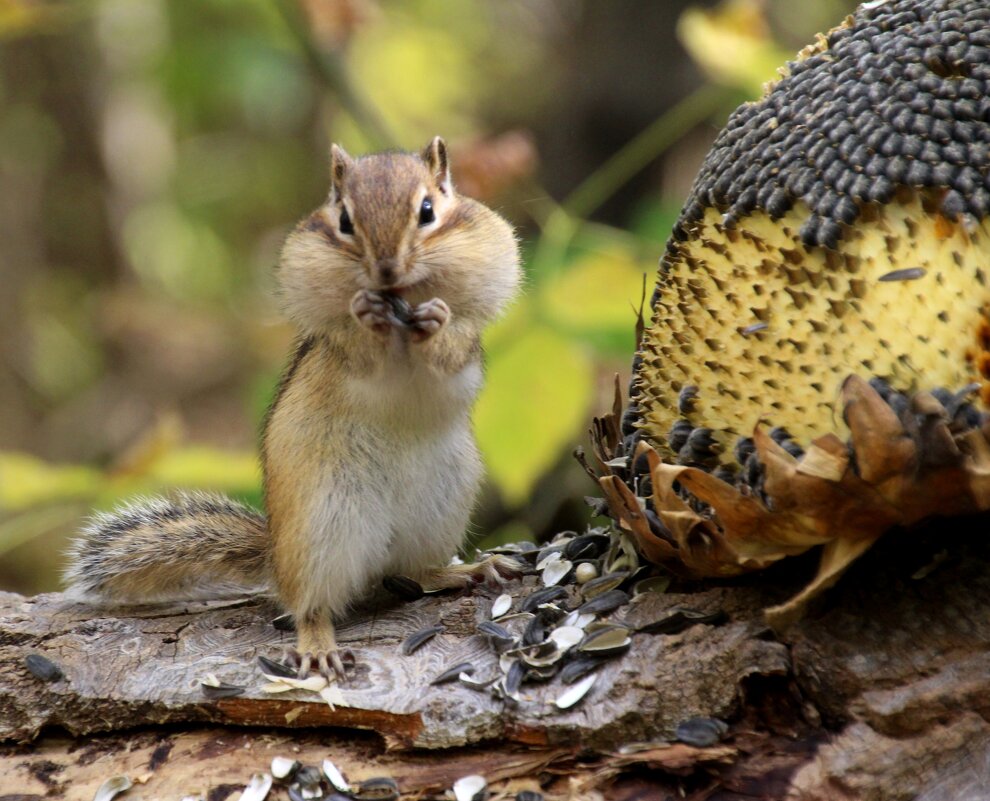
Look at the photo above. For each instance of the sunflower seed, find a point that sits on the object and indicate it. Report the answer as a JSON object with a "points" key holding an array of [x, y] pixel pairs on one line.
{"points": [[335, 777], [418, 638], [403, 587], [607, 641], [586, 546], [907, 274], [535, 631], [566, 637], [529, 795], [541, 672], [451, 673], [471, 788], [577, 691], [501, 605], [381, 788], [118, 784], [536, 599], [604, 603], [513, 678], [548, 554], [494, 630], [555, 569], [43, 668], [580, 620], [284, 622], [681, 618], [603, 584], [476, 684], [272, 668], [283, 768], [580, 667], [753, 329], [701, 732], [400, 307], [539, 655], [220, 690]]}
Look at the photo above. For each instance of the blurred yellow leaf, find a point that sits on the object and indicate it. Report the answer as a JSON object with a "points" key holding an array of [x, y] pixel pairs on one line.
{"points": [[18, 17], [206, 468], [732, 43], [27, 481], [536, 398], [598, 293]]}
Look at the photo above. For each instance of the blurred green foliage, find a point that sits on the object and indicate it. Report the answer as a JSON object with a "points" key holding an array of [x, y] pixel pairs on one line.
{"points": [[153, 155]]}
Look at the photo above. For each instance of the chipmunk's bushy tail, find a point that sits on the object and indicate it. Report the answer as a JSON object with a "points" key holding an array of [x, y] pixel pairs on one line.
{"points": [[181, 548]]}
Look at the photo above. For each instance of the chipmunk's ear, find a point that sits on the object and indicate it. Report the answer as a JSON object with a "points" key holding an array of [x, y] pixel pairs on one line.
{"points": [[435, 156], [340, 163]]}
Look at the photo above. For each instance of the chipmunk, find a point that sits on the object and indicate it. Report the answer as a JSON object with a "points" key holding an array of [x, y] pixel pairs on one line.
{"points": [[370, 466]]}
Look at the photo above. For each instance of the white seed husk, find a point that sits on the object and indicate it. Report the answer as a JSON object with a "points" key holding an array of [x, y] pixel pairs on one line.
{"points": [[210, 680], [501, 605], [257, 789], [335, 777], [476, 684], [576, 692], [566, 637], [313, 683], [555, 572], [283, 767], [549, 559], [469, 788], [577, 619], [111, 787]]}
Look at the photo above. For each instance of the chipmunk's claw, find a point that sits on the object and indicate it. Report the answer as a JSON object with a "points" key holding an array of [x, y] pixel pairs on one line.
{"points": [[329, 664]]}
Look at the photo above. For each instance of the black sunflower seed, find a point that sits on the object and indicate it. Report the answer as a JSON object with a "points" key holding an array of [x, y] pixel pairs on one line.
{"points": [[284, 622], [273, 668], [701, 732], [539, 597], [451, 673], [580, 667], [43, 668], [604, 603], [223, 690], [418, 638], [403, 587], [681, 618]]}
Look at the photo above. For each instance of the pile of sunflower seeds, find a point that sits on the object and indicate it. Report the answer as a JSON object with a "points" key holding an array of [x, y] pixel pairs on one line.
{"points": [[561, 626], [327, 783]]}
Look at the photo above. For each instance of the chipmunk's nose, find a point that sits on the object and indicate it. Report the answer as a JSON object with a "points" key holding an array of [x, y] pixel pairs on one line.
{"points": [[387, 270]]}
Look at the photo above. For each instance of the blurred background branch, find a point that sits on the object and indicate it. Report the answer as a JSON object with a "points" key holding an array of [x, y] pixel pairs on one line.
{"points": [[153, 155]]}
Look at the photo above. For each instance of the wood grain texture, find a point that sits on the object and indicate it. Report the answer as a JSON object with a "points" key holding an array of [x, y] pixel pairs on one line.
{"points": [[879, 695], [147, 663]]}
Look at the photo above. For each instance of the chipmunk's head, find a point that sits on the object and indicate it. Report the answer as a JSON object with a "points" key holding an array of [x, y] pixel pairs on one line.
{"points": [[387, 209], [393, 222]]}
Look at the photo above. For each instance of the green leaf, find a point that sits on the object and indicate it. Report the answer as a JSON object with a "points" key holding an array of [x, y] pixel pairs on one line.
{"points": [[533, 405], [596, 298]]}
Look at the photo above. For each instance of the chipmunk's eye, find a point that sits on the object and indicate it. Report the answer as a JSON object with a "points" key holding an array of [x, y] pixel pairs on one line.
{"points": [[426, 215], [346, 226]]}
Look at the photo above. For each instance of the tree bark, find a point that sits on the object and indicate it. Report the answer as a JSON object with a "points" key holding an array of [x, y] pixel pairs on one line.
{"points": [[882, 694]]}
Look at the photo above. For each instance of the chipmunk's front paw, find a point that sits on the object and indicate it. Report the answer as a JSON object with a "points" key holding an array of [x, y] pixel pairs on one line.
{"points": [[428, 318], [331, 664], [372, 311]]}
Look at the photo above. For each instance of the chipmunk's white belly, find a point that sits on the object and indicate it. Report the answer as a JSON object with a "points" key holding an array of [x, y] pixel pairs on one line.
{"points": [[396, 494]]}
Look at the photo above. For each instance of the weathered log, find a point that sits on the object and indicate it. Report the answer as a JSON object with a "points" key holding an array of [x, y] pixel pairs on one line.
{"points": [[881, 693]]}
